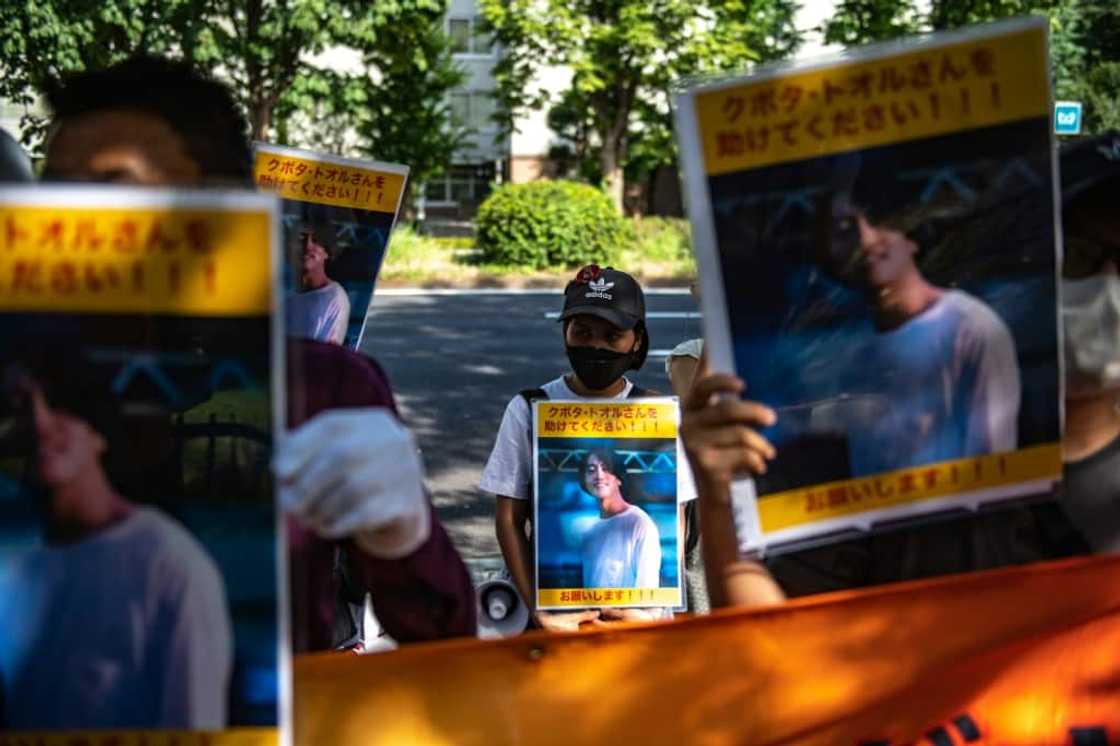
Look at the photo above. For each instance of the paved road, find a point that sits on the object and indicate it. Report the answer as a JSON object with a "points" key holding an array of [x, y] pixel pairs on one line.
{"points": [[456, 360]]}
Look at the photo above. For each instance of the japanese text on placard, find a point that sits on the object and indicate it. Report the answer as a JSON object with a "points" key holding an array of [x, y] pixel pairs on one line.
{"points": [[870, 103], [327, 183]]}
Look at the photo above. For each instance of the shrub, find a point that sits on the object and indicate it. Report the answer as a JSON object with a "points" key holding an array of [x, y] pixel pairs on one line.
{"points": [[663, 239], [549, 224]]}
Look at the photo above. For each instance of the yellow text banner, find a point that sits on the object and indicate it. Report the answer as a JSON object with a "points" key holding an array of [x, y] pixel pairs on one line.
{"points": [[327, 183], [231, 737], [580, 597], [853, 105], [844, 498], [614, 420], [179, 261]]}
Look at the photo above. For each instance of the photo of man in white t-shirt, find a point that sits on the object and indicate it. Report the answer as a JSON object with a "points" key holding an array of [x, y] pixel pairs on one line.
{"points": [[320, 309], [622, 549], [943, 361], [118, 616]]}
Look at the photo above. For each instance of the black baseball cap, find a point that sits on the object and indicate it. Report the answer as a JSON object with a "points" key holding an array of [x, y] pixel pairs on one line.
{"points": [[606, 293]]}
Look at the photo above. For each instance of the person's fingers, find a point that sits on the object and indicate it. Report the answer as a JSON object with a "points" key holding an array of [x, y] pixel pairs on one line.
{"points": [[293, 453], [731, 436], [308, 496], [726, 462], [734, 411], [304, 445], [565, 621], [703, 389]]}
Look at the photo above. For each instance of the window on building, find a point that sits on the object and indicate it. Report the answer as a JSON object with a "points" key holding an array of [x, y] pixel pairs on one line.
{"points": [[473, 109], [482, 109], [481, 42], [459, 29], [461, 107], [461, 185], [467, 36]]}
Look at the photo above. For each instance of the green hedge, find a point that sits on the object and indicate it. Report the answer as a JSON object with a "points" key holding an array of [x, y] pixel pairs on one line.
{"points": [[549, 224]]}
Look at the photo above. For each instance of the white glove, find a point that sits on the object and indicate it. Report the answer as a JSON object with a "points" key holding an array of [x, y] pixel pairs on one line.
{"points": [[356, 473]]}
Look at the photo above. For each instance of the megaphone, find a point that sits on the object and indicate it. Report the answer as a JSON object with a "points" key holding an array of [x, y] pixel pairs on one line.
{"points": [[501, 612]]}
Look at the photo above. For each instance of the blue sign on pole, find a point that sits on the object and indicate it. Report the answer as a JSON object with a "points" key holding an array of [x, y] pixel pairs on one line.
{"points": [[1067, 117]]}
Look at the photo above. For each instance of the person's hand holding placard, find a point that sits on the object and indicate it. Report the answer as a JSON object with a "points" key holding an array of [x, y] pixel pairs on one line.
{"points": [[356, 473]]}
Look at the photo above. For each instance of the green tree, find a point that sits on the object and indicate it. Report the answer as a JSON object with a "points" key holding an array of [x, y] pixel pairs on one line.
{"points": [[624, 57], [268, 49], [1084, 40], [862, 21], [43, 39], [394, 110]]}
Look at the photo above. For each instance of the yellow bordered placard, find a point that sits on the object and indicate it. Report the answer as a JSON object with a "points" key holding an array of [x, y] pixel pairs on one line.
{"points": [[619, 419], [327, 181], [584, 597], [231, 737], [792, 508], [849, 105], [165, 259], [604, 473]]}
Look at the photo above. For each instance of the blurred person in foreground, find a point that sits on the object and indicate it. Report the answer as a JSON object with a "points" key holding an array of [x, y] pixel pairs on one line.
{"points": [[349, 472]]}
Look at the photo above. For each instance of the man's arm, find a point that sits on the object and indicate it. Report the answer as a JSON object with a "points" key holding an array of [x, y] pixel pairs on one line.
{"points": [[648, 573], [719, 437], [424, 596], [732, 581], [510, 520], [340, 311], [993, 414], [422, 593], [191, 658]]}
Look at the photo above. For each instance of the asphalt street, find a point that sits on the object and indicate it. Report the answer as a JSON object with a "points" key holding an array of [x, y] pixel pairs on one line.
{"points": [[455, 361]]}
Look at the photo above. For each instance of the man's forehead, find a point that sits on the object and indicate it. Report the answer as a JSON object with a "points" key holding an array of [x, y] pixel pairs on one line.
{"points": [[123, 145], [595, 322]]}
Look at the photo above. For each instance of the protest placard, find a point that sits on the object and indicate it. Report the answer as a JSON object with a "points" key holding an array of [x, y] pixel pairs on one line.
{"points": [[141, 365], [877, 246], [338, 217], [606, 481]]}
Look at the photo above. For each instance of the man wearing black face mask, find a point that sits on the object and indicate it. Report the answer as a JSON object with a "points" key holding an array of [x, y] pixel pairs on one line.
{"points": [[605, 336]]}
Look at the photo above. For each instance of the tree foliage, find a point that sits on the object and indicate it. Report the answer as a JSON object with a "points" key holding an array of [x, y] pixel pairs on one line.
{"points": [[1084, 39], [395, 109], [271, 51], [861, 21], [624, 58]]}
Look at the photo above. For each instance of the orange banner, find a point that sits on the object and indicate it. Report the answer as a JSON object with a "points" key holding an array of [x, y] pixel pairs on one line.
{"points": [[1018, 656]]}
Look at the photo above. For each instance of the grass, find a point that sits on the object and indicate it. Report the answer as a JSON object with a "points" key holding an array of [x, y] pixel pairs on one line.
{"points": [[659, 254]]}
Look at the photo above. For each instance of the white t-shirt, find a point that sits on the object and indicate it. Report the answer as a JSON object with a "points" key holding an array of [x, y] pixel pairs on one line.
{"points": [[509, 470], [622, 551], [126, 629], [950, 381], [320, 314]]}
